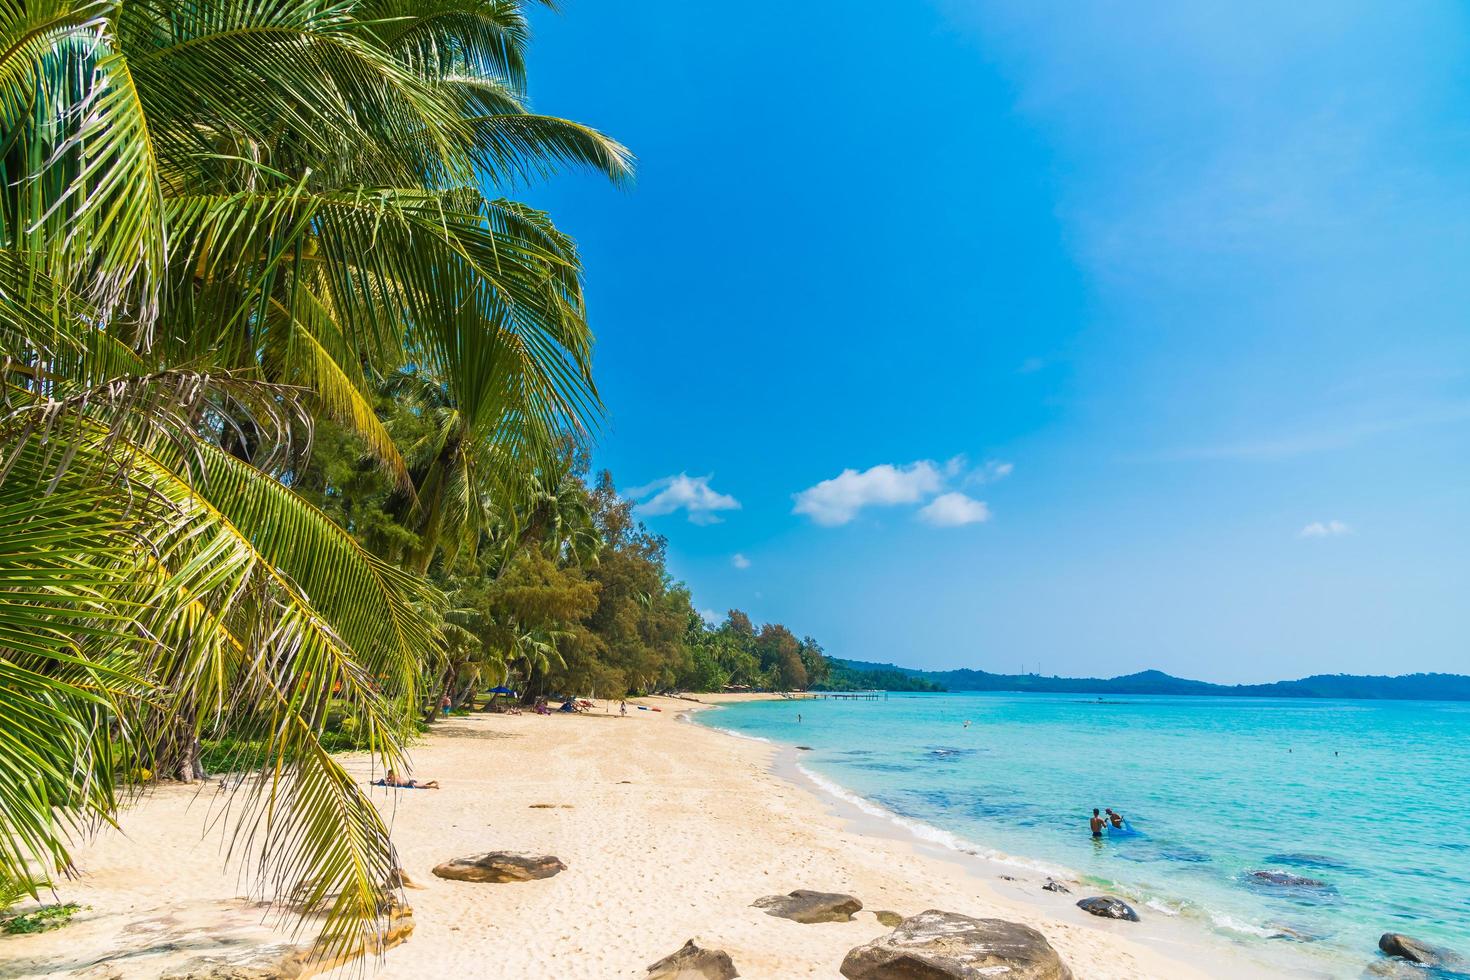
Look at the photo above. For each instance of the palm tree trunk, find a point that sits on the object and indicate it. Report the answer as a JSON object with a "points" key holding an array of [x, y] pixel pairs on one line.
{"points": [[180, 756]]}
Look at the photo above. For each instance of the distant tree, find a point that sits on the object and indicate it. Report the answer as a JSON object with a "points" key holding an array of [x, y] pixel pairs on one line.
{"points": [[739, 624], [814, 661]]}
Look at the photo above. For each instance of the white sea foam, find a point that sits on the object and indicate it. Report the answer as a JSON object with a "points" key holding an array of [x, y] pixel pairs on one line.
{"points": [[928, 832], [748, 738], [1232, 924], [1159, 905]]}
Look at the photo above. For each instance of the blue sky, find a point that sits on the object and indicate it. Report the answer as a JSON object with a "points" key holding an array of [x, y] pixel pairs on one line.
{"points": [[1084, 337]]}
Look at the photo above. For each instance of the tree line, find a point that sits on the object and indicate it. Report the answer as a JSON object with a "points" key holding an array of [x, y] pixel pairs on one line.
{"points": [[568, 595]]}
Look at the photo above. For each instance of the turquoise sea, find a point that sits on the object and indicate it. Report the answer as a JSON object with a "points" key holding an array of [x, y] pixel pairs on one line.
{"points": [[1371, 799]]}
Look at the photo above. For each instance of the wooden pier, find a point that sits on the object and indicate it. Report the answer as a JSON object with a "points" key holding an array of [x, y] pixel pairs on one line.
{"points": [[848, 695]]}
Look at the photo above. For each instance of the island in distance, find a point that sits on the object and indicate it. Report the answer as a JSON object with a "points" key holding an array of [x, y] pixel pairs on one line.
{"points": [[1408, 687]]}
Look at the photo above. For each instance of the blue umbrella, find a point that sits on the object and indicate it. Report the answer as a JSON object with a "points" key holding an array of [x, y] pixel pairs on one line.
{"points": [[502, 690]]}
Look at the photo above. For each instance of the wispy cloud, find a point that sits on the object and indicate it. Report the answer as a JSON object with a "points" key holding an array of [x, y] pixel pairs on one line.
{"points": [[711, 617], [839, 500], [954, 510], [691, 494], [1324, 529], [739, 561]]}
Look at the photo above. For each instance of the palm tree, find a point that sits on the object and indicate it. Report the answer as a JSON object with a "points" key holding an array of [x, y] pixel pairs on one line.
{"points": [[218, 219]]}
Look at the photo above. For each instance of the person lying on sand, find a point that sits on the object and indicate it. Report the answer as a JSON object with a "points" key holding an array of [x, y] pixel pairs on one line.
{"points": [[1096, 823], [393, 781], [1116, 819]]}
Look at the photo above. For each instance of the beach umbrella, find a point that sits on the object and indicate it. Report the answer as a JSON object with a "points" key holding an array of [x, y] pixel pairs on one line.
{"points": [[502, 690]]}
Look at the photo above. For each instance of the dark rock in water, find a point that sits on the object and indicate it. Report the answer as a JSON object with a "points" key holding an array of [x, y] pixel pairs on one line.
{"points": [[809, 906], [1185, 855], [937, 945], [1056, 886], [1108, 907], [1435, 957], [883, 766], [1295, 935], [498, 866], [889, 919], [803, 748], [1305, 860], [693, 962], [1283, 879]]}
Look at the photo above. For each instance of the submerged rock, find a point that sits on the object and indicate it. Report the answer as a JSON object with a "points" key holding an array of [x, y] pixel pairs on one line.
{"points": [[1056, 886], [1305, 860], [809, 906], [1108, 907], [498, 866], [693, 962], [1425, 954], [1283, 879], [935, 945]]}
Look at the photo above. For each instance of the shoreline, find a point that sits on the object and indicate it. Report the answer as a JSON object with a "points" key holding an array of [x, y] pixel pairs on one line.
{"points": [[1189, 939], [670, 829]]}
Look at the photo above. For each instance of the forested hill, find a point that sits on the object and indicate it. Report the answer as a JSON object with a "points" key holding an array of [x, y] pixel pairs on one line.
{"points": [[1409, 687]]}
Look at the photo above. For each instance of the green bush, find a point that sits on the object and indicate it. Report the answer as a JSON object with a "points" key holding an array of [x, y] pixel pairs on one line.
{"points": [[45, 918]]}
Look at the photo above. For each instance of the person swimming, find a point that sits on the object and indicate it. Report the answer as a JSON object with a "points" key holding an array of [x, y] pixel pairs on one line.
{"points": [[1116, 819], [1097, 823]]}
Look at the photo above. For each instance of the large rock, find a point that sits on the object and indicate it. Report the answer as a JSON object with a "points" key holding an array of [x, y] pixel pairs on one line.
{"points": [[498, 866], [809, 906], [693, 962], [1434, 957], [1108, 907], [936, 945], [1052, 885]]}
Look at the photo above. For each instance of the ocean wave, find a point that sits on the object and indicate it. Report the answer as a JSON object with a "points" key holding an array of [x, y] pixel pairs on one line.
{"points": [[928, 832], [1231, 924], [731, 731]]}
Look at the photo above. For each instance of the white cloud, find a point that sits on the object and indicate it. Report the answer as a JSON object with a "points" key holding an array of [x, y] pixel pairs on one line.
{"points": [[1324, 529], [739, 560], [691, 494], [838, 500], [711, 617], [953, 510]]}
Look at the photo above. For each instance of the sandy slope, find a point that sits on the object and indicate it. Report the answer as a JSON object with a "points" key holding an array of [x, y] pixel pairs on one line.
{"points": [[670, 831]]}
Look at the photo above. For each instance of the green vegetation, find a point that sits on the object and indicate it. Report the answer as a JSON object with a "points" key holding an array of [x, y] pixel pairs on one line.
{"points": [[221, 223], [852, 675], [294, 412], [43, 919]]}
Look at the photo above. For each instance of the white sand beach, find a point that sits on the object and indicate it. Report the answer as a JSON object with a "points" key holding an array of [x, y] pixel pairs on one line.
{"points": [[669, 831]]}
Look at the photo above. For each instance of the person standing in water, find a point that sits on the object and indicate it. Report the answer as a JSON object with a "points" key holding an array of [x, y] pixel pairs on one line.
{"points": [[1097, 823], [1116, 819]]}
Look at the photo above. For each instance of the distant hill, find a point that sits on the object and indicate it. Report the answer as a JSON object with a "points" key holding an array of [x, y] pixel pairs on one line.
{"points": [[1409, 687]]}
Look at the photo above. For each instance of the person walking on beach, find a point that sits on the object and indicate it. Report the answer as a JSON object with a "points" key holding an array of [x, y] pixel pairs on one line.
{"points": [[1097, 823], [623, 708]]}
